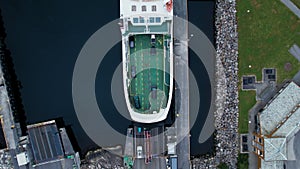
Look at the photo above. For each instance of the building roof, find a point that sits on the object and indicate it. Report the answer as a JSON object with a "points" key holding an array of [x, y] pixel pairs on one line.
{"points": [[275, 149], [272, 165], [290, 126], [22, 159], [68, 148], [279, 108], [279, 122], [57, 164], [45, 142]]}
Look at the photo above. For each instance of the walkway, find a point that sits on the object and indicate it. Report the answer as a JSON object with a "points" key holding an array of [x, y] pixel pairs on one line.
{"points": [[295, 51], [292, 7], [296, 78]]}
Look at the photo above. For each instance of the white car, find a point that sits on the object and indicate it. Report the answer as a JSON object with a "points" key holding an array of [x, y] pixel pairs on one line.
{"points": [[153, 39], [139, 152]]}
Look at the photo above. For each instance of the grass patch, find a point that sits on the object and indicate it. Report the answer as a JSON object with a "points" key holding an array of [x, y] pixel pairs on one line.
{"points": [[243, 161], [222, 166], [265, 35], [247, 101]]}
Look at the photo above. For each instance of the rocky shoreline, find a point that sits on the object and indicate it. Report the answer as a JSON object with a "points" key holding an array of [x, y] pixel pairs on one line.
{"points": [[226, 115]]}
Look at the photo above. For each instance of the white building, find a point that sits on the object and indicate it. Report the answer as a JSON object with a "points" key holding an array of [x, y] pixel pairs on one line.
{"points": [[278, 124]]}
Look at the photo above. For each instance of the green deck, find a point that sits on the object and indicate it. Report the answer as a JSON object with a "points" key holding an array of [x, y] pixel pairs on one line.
{"points": [[150, 73]]}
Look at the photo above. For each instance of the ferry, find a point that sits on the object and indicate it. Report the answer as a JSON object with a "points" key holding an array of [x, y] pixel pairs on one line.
{"points": [[147, 58]]}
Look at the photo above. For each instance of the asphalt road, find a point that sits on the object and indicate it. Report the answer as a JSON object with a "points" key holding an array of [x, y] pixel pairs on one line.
{"points": [[157, 163], [157, 148]]}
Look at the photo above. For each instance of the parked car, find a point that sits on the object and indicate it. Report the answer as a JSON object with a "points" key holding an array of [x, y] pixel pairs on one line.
{"points": [[152, 50], [153, 39], [131, 42], [139, 152]]}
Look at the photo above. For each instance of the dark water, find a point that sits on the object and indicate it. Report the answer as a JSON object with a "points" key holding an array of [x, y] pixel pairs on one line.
{"points": [[201, 14], [45, 38]]}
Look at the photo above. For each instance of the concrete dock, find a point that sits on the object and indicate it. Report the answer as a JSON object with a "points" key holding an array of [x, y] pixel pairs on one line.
{"points": [[181, 72], [10, 128]]}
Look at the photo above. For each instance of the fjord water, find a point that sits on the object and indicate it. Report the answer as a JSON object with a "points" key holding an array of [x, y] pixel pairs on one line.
{"points": [[45, 38]]}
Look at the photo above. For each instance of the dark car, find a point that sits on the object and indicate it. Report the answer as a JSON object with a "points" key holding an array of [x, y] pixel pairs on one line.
{"points": [[131, 41], [153, 50], [136, 100], [153, 92]]}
